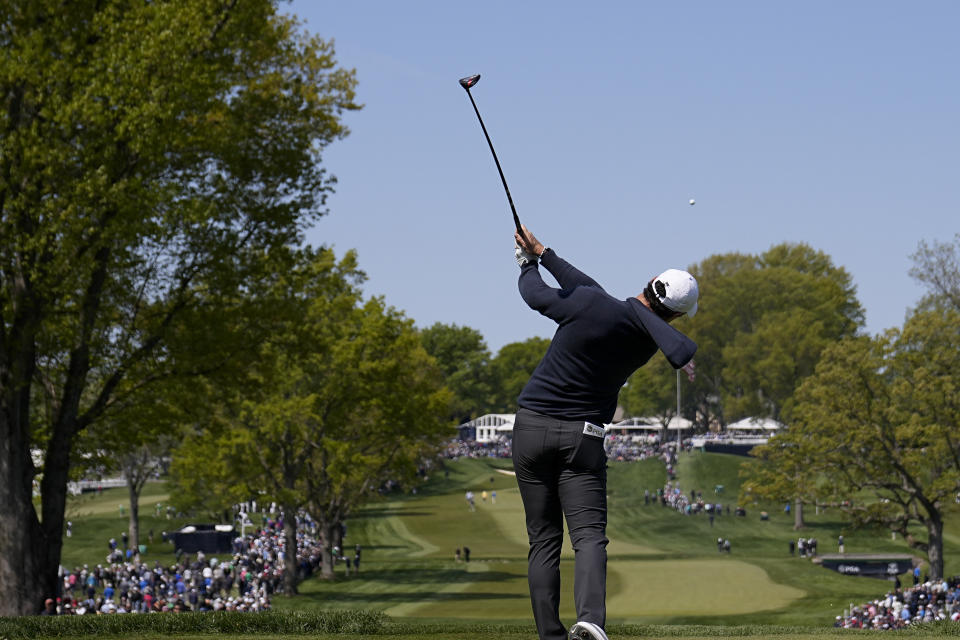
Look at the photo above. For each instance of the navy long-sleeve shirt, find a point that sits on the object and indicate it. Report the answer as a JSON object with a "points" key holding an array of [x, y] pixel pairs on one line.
{"points": [[599, 342]]}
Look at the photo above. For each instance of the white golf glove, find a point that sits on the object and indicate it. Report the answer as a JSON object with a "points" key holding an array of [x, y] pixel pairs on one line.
{"points": [[523, 257]]}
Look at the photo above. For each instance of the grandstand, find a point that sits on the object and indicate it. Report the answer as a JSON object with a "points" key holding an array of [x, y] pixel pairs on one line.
{"points": [[487, 428], [739, 437]]}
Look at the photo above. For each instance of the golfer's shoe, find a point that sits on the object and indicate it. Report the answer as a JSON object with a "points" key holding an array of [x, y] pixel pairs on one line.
{"points": [[587, 631]]}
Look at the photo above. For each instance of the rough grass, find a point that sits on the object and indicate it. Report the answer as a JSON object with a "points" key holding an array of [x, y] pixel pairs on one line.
{"points": [[179, 625]]}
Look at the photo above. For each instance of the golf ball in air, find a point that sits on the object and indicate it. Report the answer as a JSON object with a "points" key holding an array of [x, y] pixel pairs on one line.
{"points": [[692, 202]]}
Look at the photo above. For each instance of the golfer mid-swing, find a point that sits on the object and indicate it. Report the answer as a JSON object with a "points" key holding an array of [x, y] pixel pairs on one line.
{"points": [[558, 450]]}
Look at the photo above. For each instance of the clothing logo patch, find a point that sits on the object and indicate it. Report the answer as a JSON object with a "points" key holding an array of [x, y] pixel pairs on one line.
{"points": [[590, 429]]}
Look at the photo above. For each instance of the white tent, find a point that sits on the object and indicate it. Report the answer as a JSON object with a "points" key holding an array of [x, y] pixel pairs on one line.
{"points": [[635, 424], [650, 423], [680, 423], [764, 425]]}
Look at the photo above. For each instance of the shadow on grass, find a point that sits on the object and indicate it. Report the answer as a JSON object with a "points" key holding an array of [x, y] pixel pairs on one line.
{"points": [[388, 587], [374, 547], [430, 576], [400, 597], [388, 512]]}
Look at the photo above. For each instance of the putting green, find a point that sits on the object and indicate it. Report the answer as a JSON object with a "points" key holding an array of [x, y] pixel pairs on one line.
{"points": [[636, 589]]}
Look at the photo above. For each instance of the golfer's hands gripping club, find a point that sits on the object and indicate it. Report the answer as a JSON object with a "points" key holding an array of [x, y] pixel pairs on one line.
{"points": [[528, 242], [524, 257]]}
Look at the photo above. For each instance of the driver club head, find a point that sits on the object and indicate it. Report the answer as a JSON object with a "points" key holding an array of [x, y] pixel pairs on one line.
{"points": [[469, 81]]}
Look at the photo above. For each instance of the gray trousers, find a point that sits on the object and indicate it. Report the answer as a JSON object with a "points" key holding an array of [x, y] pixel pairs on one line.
{"points": [[562, 471]]}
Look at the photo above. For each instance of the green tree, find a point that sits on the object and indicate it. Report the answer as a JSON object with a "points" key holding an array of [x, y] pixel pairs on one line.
{"points": [[152, 157], [879, 418], [717, 321], [510, 370], [762, 325], [254, 437], [937, 265], [464, 358], [788, 471], [341, 398], [652, 391], [381, 422]]}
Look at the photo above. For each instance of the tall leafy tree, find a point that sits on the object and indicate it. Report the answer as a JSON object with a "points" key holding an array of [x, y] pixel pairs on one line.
{"points": [[763, 323], [652, 391], [380, 421], [464, 358], [342, 397], [153, 155], [789, 470], [879, 418], [510, 370], [719, 318]]}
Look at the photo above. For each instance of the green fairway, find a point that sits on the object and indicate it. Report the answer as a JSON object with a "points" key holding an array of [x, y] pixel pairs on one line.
{"points": [[663, 566], [97, 517], [494, 582]]}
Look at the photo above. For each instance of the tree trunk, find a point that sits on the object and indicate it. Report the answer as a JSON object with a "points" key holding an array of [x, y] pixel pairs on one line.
{"points": [[29, 546], [798, 514], [329, 531], [21, 585], [290, 568], [935, 547], [30, 543], [53, 499], [133, 488]]}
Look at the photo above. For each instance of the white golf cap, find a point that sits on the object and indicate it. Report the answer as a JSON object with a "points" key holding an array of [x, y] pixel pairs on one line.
{"points": [[679, 291]]}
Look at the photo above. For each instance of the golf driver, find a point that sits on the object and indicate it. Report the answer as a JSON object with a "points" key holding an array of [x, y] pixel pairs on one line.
{"points": [[466, 83]]}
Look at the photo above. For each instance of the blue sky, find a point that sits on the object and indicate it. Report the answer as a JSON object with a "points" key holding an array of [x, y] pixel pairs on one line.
{"points": [[831, 123]]}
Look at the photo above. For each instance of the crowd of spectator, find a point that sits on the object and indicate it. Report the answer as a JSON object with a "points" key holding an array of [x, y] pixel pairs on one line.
{"points": [[688, 504], [807, 547], [618, 447], [629, 448], [929, 601], [243, 582], [457, 449], [728, 436]]}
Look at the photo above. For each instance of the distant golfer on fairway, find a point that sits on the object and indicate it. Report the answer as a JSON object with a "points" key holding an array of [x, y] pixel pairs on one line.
{"points": [[558, 433]]}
